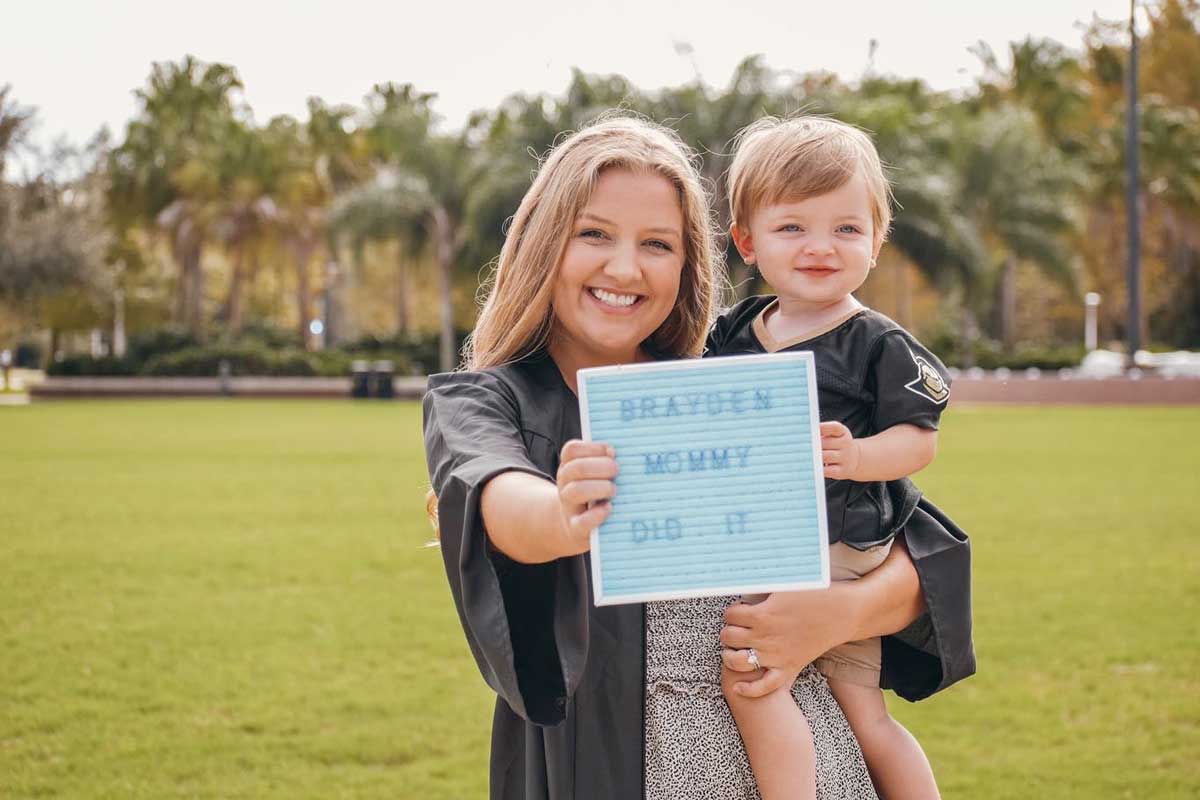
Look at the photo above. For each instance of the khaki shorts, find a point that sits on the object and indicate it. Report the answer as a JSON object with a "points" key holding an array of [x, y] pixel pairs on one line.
{"points": [[854, 662]]}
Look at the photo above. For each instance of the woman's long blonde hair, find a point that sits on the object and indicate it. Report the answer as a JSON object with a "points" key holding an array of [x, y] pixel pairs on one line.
{"points": [[517, 317]]}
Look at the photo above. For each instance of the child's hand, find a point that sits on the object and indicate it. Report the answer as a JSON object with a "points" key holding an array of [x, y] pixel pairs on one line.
{"points": [[585, 478], [841, 453]]}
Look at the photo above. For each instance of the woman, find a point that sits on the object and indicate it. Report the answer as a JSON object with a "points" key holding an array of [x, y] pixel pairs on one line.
{"points": [[610, 259]]}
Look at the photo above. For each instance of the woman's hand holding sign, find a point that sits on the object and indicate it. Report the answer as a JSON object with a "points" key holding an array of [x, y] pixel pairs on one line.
{"points": [[585, 487], [532, 520]]}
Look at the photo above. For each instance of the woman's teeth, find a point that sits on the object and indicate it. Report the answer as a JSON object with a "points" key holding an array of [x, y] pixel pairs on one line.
{"points": [[613, 299]]}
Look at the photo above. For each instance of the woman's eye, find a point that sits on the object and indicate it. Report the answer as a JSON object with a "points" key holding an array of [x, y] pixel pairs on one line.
{"points": [[591, 233], [660, 245]]}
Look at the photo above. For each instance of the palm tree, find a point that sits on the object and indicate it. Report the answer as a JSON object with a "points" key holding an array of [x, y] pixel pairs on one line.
{"points": [[316, 161], [1016, 190], [387, 209], [438, 174], [164, 176], [249, 176]]}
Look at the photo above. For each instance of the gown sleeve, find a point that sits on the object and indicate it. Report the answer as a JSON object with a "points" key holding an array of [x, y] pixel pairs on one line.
{"points": [[526, 624], [936, 650], [912, 386]]}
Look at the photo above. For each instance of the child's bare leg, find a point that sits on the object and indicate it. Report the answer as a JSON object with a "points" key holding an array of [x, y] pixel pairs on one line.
{"points": [[777, 738], [897, 763]]}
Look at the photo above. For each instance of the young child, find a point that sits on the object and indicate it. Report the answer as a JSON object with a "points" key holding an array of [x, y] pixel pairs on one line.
{"points": [[810, 208]]}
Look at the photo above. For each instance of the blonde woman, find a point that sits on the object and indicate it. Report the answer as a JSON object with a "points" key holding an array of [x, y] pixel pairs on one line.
{"points": [[610, 259]]}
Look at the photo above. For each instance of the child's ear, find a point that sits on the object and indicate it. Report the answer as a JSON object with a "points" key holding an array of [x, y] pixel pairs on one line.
{"points": [[743, 242]]}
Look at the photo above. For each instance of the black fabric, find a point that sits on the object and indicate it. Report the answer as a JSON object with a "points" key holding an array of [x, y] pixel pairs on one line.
{"points": [[568, 676], [872, 374]]}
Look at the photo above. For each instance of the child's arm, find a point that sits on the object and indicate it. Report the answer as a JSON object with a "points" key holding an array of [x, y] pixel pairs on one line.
{"points": [[894, 453]]}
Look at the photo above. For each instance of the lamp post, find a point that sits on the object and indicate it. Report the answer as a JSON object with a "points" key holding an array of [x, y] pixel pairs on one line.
{"points": [[118, 336], [1092, 304], [1131, 196]]}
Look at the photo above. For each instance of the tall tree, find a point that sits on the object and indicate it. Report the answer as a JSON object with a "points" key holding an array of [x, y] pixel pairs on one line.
{"points": [[164, 175], [439, 172], [1017, 192]]}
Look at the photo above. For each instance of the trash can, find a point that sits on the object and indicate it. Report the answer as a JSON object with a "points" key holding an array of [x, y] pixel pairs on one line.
{"points": [[381, 379], [360, 383]]}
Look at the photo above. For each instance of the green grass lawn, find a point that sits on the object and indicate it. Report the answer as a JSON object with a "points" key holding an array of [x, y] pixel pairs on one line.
{"points": [[230, 599]]}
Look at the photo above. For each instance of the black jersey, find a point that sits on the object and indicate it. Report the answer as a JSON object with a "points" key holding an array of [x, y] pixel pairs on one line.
{"points": [[871, 374]]}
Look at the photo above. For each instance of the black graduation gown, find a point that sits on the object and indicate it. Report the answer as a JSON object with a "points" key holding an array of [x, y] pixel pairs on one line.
{"points": [[569, 676]]}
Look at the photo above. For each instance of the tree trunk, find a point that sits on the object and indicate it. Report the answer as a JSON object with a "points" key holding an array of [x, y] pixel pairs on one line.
{"points": [[969, 333], [402, 292], [303, 248], [444, 232], [194, 278], [1008, 304], [233, 303], [181, 293]]}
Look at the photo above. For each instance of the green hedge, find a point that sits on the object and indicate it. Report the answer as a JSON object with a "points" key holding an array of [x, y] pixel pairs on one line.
{"points": [[244, 359], [86, 365]]}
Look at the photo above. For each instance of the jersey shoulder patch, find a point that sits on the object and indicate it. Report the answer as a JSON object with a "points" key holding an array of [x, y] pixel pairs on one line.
{"points": [[928, 382]]}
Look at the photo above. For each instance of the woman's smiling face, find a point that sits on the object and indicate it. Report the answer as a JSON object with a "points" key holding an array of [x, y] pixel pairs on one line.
{"points": [[619, 276]]}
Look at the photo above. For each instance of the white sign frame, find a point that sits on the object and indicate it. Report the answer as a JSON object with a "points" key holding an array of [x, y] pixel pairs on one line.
{"points": [[700, 364]]}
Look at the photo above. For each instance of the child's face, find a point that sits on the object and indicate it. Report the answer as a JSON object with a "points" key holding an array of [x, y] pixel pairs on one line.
{"points": [[619, 276], [814, 251]]}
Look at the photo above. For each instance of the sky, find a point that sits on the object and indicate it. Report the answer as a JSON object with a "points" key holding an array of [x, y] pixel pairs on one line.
{"points": [[79, 62]]}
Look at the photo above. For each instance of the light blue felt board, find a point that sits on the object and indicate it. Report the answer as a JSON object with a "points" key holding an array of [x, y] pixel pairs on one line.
{"points": [[718, 491]]}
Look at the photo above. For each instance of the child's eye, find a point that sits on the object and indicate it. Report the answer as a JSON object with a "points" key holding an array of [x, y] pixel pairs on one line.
{"points": [[848, 228], [790, 228]]}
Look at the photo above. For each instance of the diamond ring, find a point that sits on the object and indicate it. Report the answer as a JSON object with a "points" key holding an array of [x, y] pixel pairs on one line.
{"points": [[752, 657]]}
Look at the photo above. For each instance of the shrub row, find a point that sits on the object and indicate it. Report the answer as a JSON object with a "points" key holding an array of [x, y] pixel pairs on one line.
{"points": [[168, 351], [259, 351]]}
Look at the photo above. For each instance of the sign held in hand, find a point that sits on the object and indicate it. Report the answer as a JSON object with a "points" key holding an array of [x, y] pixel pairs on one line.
{"points": [[720, 489]]}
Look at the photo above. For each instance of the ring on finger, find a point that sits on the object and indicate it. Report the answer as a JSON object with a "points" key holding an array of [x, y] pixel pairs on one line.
{"points": [[752, 657]]}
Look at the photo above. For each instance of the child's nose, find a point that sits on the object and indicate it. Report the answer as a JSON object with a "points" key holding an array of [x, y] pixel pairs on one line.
{"points": [[818, 245]]}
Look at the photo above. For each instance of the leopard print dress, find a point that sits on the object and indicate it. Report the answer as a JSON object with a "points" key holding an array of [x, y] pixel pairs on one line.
{"points": [[693, 750]]}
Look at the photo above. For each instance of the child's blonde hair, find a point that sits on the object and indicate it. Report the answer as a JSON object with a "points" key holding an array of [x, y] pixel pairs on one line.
{"points": [[517, 316], [785, 160]]}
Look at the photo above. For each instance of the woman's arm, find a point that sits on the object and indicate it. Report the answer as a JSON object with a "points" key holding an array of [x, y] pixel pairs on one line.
{"points": [[789, 630], [534, 521]]}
